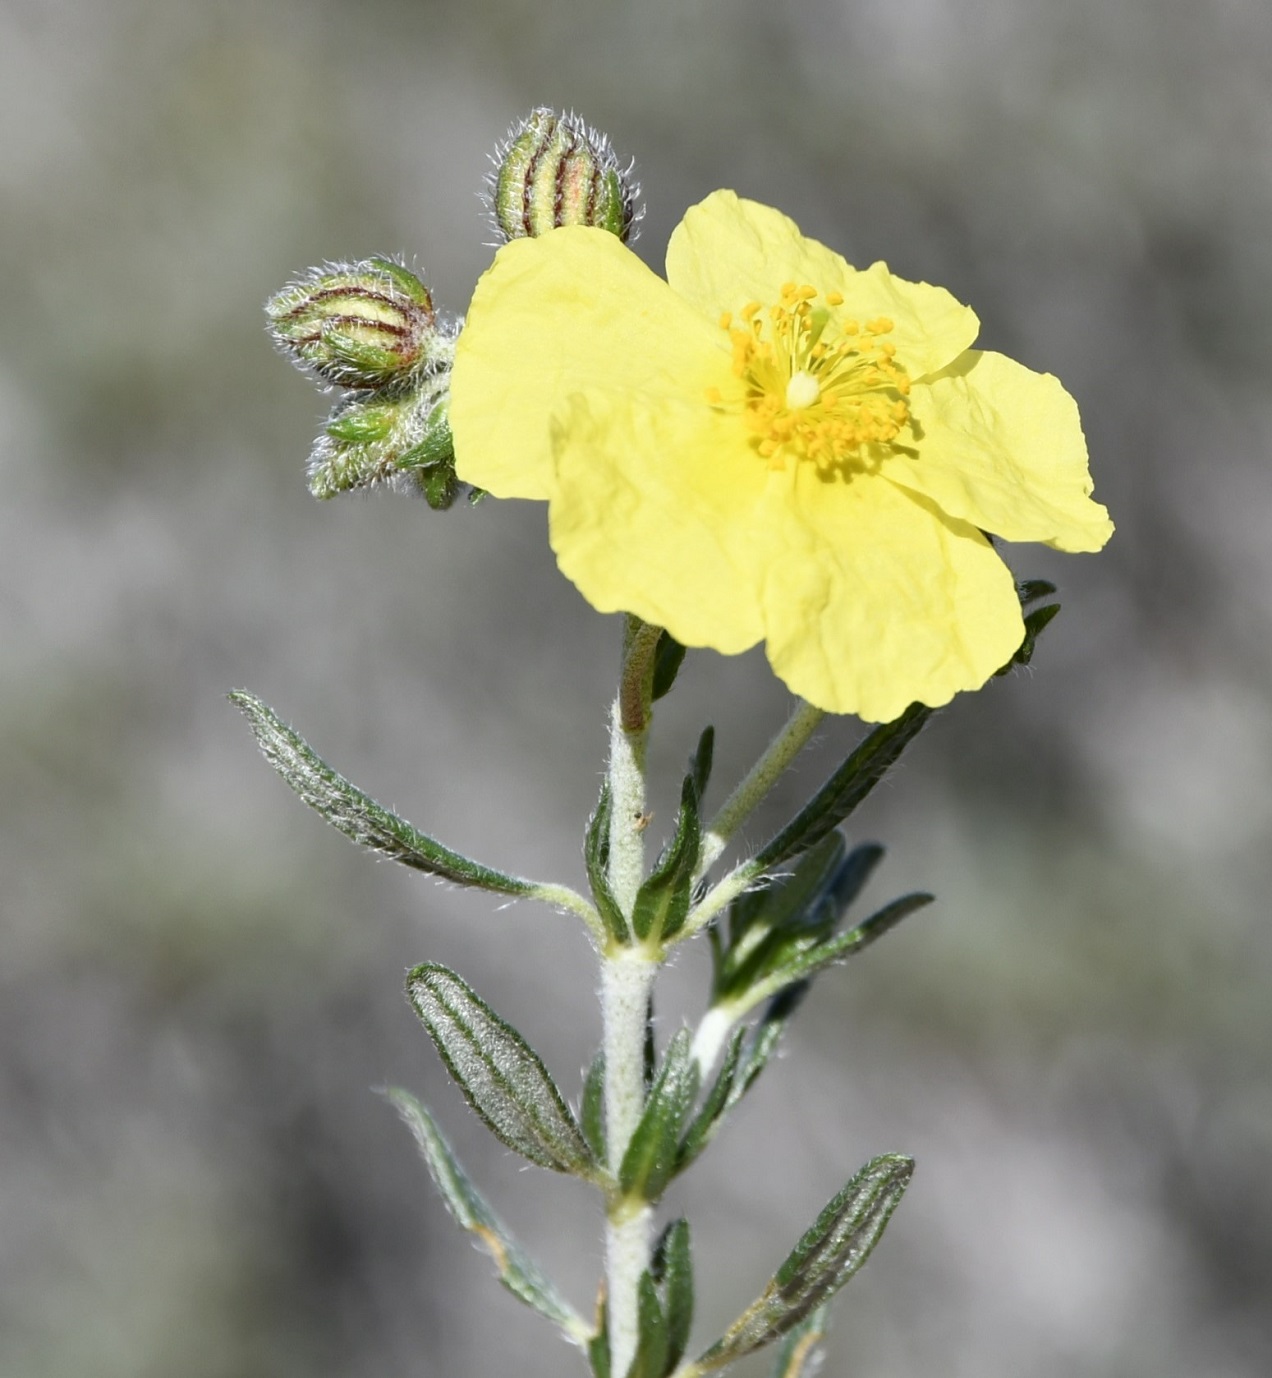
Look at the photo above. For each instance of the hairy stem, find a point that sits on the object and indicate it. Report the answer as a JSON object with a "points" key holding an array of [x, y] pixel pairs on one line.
{"points": [[627, 980], [627, 819], [626, 983], [761, 778]]}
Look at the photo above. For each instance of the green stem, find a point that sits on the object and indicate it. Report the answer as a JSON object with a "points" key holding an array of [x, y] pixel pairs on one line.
{"points": [[741, 878], [761, 778], [564, 898]]}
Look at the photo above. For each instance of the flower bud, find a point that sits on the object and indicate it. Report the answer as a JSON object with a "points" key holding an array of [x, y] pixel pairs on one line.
{"points": [[358, 325], [398, 436], [553, 170]]}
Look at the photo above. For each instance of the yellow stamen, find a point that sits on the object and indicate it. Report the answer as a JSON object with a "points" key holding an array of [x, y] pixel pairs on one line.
{"points": [[815, 388]]}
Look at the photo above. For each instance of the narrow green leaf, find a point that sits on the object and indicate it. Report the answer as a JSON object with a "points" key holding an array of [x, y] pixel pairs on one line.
{"points": [[762, 1043], [830, 1252], [501, 1076], [650, 1160], [652, 1349], [785, 899], [356, 814], [802, 965], [857, 868], [1030, 590], [596, 858], [1035, 621], [598, 1346], [662, 902], [517, 1271], [770, 929], [702, 1128], [766, 922], [672, 1269], [846, 788], [592, 1118], [668, 657], [801, 1348], [700, 764]]}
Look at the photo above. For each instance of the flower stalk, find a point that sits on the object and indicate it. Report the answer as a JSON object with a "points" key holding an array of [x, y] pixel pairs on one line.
{"points": [[761, 778]]}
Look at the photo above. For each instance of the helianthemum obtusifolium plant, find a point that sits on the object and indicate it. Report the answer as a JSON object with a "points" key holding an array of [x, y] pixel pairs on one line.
{"points": [[768, 445]]}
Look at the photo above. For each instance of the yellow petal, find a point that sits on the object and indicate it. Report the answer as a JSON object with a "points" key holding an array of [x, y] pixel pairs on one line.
{"points": [[728, 251], [877, 600], [657, 511], [571, 309], [1002, 448]]}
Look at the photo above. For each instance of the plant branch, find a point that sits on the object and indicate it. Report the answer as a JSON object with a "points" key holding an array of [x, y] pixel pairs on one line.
{"points": [[761, 778]]}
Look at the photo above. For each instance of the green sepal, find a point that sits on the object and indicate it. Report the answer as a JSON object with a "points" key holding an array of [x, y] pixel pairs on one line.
{"points": [[362, 423], [404, 278], [830, 1252], [651, 1158], [700, 763], [800, 1350], [357, 815], [662, 902], [501, 1076], [517, 1271], [672, 1269], [592, 1109], [846, 788], [669, 655], [596, 859], [432, 462]]}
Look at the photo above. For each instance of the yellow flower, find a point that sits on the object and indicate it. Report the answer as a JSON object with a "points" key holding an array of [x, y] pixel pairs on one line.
{"points": [[771, 446]]}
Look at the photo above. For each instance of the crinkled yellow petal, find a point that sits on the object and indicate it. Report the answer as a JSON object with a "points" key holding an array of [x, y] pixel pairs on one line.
{"points": [[878, 600], [1002, 447], [659, 511], [568, 310], [728, 251]]}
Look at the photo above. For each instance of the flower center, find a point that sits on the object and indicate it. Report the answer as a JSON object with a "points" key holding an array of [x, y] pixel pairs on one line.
{"points": [[816, 384]]}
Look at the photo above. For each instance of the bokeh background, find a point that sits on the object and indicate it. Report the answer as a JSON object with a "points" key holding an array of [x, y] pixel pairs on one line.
{"points": [[200, 983]]}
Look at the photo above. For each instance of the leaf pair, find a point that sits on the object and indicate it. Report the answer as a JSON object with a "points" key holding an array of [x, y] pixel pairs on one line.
{"points": [[663, 900]]}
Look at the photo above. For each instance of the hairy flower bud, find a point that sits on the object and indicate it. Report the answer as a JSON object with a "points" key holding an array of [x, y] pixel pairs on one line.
{"points": [[553, 170], [398, 436], [358, 325]]}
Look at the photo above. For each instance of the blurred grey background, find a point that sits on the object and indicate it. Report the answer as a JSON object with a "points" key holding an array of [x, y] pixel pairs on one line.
{"points": [[200, 984]]}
